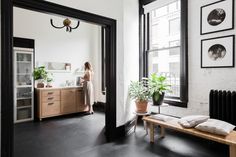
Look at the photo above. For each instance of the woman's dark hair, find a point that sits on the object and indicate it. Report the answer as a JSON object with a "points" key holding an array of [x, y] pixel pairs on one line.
{"points": [[87, 66]]}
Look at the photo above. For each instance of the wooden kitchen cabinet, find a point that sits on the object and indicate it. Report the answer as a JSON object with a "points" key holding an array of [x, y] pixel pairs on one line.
{"points": [[81, 107], [68, 104], [59, 101], [48, 103], [50, 108]]}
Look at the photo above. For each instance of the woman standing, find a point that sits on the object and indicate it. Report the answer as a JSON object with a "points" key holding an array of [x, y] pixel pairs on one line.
{"points": [[88, 86]]}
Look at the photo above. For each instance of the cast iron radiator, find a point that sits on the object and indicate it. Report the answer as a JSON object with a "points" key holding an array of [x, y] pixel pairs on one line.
{"points": [[223, 105]]}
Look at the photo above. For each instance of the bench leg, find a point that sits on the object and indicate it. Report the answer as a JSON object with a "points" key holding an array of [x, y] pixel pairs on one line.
{"points": [[151, 126], [162, 132], [232, 150], [145, 127]]}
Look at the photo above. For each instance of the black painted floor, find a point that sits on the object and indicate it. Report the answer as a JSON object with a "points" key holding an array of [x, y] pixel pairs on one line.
{"points": [[82, 136]]}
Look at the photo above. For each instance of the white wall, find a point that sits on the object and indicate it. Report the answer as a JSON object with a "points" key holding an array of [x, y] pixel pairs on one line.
{"points": [[115, 9], [97, 66], [201, 81], [112, 9], [131, 52], [54, 45]]}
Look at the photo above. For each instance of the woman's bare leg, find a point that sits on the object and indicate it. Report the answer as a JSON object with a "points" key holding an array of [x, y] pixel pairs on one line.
{"points": [[91, 109]]}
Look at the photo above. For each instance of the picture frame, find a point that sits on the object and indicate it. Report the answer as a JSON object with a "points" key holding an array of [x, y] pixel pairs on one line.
{"points": [[217, 17], [218, 52]]}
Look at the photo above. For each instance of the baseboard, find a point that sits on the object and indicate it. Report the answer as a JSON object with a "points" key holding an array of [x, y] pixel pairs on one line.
{"points": [[99, 106], [129, 126], [123, 130]]}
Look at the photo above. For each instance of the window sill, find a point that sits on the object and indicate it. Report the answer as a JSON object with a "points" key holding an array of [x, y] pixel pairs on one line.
{"points": [[176, 102]]}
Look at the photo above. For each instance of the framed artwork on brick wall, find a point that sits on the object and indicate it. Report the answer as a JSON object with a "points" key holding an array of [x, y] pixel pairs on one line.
{"points": [[218, 52], [217, 17]]}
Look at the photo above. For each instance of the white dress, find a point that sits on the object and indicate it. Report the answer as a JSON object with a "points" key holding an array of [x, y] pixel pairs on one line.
{"points": [[88, 91]]}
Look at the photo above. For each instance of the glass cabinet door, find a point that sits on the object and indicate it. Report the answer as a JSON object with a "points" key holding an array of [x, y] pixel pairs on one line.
{"points": [[24, 69], [23, 85]]}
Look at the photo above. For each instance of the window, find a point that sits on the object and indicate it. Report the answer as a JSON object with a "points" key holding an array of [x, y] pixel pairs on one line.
{"points": [[165, 45], [174, 27]]}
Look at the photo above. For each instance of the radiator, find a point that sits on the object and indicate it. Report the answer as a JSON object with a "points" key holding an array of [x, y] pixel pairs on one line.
{"points": [[223, 105]]}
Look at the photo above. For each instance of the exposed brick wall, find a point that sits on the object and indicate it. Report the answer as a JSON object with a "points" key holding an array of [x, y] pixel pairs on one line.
{"points": [[201, 80]]}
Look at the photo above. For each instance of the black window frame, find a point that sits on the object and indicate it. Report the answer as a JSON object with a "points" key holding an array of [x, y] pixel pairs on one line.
{"points": [[144, 49]]}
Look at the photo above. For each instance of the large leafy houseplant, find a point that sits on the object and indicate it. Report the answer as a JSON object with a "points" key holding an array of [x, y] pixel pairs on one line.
{"points": [[140, 93], [40, 74], [158, 86]]}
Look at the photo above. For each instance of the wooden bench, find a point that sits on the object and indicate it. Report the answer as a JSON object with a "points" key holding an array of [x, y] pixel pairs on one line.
{"points": [[173, 124]]}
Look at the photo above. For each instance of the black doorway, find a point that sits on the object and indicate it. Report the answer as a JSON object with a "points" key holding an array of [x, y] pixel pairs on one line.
{"points": [[7, 98]]}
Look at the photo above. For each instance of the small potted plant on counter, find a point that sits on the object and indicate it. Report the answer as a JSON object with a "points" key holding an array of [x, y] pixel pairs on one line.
{"points": [[158, 86], [40, 75], [139, 92], [49, 81]]}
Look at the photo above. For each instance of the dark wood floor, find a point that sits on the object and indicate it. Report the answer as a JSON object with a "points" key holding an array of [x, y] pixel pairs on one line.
{"points": [[83, 136]]}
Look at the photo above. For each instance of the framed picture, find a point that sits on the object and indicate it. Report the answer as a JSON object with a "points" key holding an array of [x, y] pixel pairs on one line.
{"points": [[217, 17], [218, 52]]}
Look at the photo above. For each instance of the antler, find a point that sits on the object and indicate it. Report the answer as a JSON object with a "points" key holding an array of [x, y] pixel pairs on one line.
{"points": [[55, 26], [76, 26]]}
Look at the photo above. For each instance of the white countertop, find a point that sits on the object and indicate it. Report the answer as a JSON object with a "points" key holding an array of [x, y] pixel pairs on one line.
{"points": [[66, 87]]}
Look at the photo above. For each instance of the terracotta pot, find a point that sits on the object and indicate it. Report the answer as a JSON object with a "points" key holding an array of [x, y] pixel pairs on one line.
{"points": [[40, 85], [141, 106]]}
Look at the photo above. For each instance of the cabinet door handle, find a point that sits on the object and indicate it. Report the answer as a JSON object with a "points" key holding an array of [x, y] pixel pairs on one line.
{"points": [[50, 103], [50, 98], [50, 93]]}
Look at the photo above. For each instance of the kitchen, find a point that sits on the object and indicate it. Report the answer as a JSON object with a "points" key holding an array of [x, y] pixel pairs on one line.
{"points": [[48, 66], [62, 54]]}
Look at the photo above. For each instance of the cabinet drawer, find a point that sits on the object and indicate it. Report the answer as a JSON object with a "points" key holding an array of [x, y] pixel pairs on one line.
{"points": [[51, 98], [51, 108], [49, 93]]}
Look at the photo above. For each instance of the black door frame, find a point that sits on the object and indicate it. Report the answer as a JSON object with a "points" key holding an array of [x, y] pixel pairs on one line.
{"points": [[7, 99]]}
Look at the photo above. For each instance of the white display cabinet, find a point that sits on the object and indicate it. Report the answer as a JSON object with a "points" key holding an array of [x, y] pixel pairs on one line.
{"points": [[23, 84]]}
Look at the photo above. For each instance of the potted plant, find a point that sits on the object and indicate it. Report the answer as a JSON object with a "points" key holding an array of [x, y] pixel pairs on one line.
{"points": [[158, 86], [139, 92], [40, 75], [49, 81]]}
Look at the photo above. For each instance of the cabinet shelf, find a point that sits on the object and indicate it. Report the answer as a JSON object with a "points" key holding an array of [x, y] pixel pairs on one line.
{"points": [[24, 86], [24, 120], [21, 107], [24, 74], [24, 62], [23, 98]]}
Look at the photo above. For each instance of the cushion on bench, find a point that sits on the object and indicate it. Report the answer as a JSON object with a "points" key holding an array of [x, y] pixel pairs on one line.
{"points": [[192, 121], [216, 127]]}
